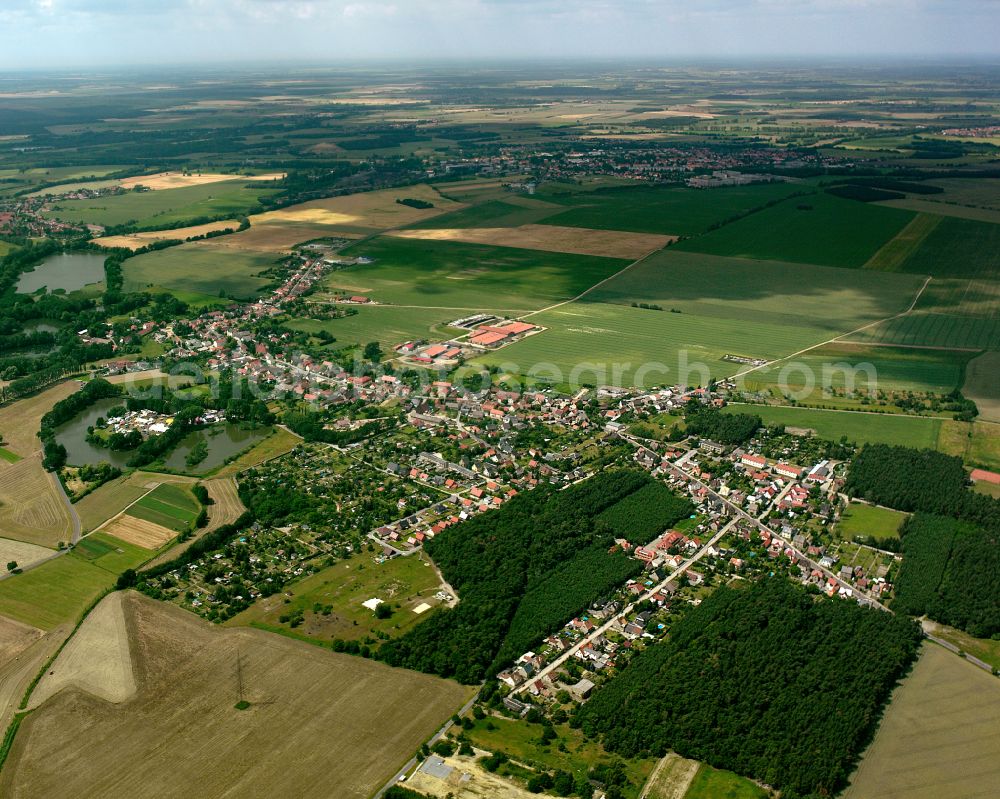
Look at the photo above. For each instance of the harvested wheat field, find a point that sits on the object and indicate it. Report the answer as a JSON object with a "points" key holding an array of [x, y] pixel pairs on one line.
{"points": [[31, 507], [276, 237], [20, 421], [15, 637], [318, 723], [96, 659], [136, 241], [938, 737], [23, 553], [139, 532], [180, 180], [551, 238], [366, 212]]}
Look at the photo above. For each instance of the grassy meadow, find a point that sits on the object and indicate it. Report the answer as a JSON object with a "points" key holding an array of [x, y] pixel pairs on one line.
{"points": [[167, 206], [200, 269], [467, 276], [859, 427]]}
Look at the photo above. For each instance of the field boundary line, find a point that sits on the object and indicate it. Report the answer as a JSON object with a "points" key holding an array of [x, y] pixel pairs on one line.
{"points": [[836, 338]]}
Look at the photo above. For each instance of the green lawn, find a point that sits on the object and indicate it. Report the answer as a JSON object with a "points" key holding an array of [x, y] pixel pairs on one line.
{"points": [[386, 324], [817, 229], [458, 275], [54, 593], [343, 588], [861, 428], [761, 291], [522, 742], [869, 520], [200, 270], [620, 345], [165, 206], [711, 783], [671, 210], [959, 248]]}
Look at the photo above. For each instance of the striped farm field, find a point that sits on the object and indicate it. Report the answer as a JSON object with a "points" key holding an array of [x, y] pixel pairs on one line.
{"points": [[894, 253], [140, 532], [935, 330], [168, 506]]}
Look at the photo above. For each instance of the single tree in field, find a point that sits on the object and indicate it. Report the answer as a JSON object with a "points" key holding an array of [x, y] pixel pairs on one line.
{"points": [[12, 566]]}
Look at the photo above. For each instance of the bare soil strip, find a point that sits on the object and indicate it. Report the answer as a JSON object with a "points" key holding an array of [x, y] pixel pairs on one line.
{"points": [[551, 238]]}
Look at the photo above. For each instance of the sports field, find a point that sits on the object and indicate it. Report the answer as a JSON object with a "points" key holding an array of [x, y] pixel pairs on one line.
{"points": [[816, 229], [937, 737], [232, 197], [761, 291], [374, 716], [669, 210], [869, 520], [475, 276], [200, 267], [861, 428], [408, 581]]}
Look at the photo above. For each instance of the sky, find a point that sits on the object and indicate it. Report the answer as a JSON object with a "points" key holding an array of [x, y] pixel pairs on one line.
{"points": [[40, 34]]}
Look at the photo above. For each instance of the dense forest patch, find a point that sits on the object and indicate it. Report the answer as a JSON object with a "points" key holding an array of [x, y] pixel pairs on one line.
{"points": [[765, 680], [520, 572]]}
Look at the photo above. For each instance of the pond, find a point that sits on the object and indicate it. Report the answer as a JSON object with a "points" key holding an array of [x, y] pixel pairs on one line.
{"points": [[224, 441], [69, 271], [73, 436]]}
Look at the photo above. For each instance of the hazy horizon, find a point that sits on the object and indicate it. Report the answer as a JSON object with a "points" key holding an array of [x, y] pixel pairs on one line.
{"points": [[66, 34]]}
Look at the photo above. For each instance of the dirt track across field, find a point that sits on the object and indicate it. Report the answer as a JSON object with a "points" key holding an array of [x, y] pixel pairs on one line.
{"points": [[318, 724]]}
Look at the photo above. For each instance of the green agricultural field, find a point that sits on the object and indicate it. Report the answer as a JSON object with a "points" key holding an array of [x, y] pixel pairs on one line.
{"points": [[897, 250], [710, 783], [331, 600], [165, 206], [982, 385], [925, 205], [468, 276], [817, 229], [672, 210], [8, 456], [167, 505], [387, 324], [493, 213], [55, 592], [895, 368], [934, 330], [110, 553], [869, 520], [595, 344], [200, 269], [959, 248], [861, 428], [761, 291]]}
